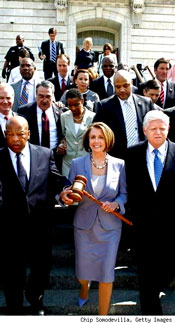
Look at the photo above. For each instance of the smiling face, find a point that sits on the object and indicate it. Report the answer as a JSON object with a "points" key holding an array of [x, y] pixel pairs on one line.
{"points": [[156, 132], [17, 134], [82, 81], [97, 141], [6, 99], [161, 71]]}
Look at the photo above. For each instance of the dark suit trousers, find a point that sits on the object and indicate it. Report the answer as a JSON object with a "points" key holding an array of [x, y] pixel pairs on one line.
{"points": [[25, 245], [50, 69]]}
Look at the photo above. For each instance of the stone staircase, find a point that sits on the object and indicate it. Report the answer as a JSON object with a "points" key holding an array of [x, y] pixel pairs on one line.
{"points": [[61, 298]]}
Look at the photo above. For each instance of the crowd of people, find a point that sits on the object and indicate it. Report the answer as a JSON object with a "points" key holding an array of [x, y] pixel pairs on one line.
{"points": [[99, 125]]}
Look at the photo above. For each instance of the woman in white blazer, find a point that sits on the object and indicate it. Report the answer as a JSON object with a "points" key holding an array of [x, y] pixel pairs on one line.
{"points": [[74, 125], [97, 231]]}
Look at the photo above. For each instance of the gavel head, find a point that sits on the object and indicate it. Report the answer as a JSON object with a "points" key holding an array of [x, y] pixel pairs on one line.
{"points": [[77, 188]]}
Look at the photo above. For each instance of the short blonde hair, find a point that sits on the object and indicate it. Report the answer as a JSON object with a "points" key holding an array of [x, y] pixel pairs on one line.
{"points": [[107, 133], [87, 40]]}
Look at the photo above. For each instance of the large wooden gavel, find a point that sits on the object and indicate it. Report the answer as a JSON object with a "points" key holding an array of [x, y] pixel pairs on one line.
{"points": [[78, 192]]}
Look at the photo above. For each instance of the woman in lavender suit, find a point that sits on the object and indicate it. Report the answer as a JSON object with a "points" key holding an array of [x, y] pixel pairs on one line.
{"points": [[97, 231]]}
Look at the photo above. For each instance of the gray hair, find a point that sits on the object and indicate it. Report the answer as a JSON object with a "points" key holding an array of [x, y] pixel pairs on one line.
{"points": [[155, 115], [47, 85]]}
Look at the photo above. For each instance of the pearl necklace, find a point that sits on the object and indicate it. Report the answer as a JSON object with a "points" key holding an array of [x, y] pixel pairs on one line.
{"points": [[97, 166]]}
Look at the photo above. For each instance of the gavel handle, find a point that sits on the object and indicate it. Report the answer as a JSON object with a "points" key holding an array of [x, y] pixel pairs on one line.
{"points": [[121, 217]]}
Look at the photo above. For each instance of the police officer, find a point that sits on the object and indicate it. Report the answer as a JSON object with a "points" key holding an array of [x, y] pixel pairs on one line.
{"points": [[12, 56]]}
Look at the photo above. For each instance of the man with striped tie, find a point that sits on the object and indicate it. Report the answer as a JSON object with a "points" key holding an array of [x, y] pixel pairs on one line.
{"points": [[25, 89], [49, 51]]}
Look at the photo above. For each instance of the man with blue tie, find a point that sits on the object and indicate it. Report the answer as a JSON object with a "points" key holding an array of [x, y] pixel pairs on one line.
{"points": [[49, 51], [150, 169]]}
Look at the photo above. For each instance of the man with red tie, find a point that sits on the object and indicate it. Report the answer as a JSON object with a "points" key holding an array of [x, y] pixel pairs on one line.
{"points": [[62, 81], [44, 118], [6, 103]]}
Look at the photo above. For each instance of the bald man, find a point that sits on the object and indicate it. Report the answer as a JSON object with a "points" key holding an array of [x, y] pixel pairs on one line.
{"points": [[124, 113], [29, 181], [6, 103]]}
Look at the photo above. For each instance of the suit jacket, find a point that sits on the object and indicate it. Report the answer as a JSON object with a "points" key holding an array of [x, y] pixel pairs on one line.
{"points": [[171, 114], [45, 49], [29, 111], [17, 89], [109, 111], [152, 211], [74, 141], [58, 92], [17, 206], [114, 190], [98, 86], [3, 142], [170, 94]]}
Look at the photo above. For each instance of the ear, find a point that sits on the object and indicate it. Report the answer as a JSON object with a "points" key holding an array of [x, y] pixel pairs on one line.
{"points": [[144, 131], [144, 92]]}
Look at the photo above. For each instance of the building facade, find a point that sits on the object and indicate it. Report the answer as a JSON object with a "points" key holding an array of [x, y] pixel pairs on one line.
{"points": [[141, 31]]}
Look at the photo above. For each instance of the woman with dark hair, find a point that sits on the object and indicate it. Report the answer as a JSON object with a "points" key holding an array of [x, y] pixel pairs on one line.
{"points": [[74, 123], [97, 231], [82, 80], [107, 51]]}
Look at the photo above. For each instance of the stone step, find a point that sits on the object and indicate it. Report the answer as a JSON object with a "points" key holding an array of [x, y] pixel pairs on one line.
{"points": [[123, 302]]}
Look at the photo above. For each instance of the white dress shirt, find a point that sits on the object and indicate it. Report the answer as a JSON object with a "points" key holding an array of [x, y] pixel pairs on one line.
{"points": [[25, 159], [52, 126], [162, 151], [106, 82], [3, 121], [164, 88], [60, 80], [131, 103]]}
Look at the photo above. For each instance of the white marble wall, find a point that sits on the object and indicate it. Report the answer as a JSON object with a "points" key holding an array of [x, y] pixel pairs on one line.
{"points": [[152, 38]]}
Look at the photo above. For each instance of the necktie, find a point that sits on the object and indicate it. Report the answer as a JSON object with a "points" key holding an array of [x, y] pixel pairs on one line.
{"points": [[109, 88], [45, 135], [158, 167], [6, 118], [162, 95], [24, 95], [63, 85], [130, 125], [22, 175], [53, 53]]}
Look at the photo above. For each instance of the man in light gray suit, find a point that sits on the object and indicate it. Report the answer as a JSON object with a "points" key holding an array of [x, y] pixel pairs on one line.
{"points": [[25, 89]]}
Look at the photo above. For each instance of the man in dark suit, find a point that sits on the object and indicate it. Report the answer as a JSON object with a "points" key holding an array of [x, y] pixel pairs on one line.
{"points": [[150, 170], [50, 49], [62, 81], [167, 94], [12, 56], [33, 112], [6, 103], [114, 112], [29, 181], [100, 85]]}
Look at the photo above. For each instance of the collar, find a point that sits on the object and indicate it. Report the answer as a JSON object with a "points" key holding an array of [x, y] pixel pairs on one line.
{"points": [[164, 83], [31, 81], [129, 100], [3, 115], [162, 149], [111, 78], [40, 111], [60, 77]]}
